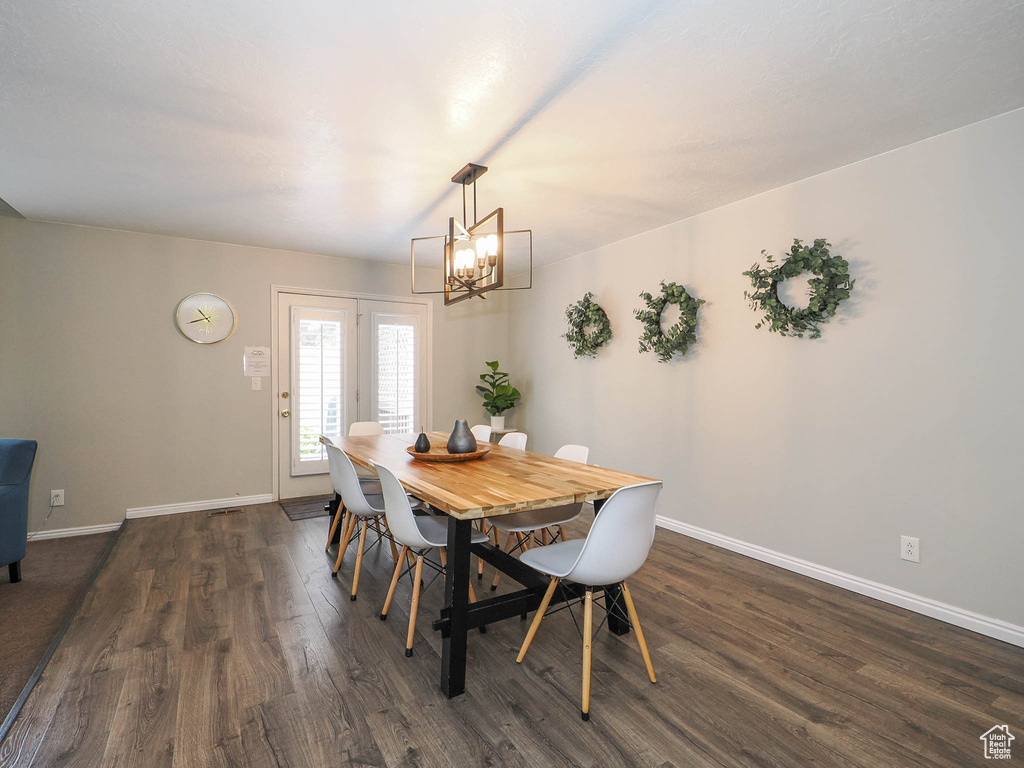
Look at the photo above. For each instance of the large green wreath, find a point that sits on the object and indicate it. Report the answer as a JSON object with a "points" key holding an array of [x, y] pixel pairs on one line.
{"points": [[583, 315], [681, 335], [831, 286]]}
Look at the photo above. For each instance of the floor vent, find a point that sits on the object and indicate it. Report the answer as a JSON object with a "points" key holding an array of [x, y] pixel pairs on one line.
{"points": [[231, 511]]}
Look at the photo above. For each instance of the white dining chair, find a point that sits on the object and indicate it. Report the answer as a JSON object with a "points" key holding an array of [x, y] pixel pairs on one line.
{"points": [[481, 432], [359, 508], [367, 476], [521, 527], [616, 547], [367, 479], [361, 428], [417, 534], [514, 440]]}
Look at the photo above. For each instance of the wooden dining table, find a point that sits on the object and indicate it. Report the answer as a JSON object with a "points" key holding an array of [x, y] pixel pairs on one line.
{"points": [[503, 482]]}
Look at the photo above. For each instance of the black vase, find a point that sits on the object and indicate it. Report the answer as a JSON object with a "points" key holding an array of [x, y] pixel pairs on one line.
{"points": [[461, 439], [422, 443]]}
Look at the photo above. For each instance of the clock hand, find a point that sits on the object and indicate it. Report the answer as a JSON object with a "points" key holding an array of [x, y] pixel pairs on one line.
{"points": [[202, 313], [198, 321]]}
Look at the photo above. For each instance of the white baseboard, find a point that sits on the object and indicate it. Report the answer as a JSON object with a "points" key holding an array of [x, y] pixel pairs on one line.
{"points": [[83, 530], [197, 506], [985, 625]]}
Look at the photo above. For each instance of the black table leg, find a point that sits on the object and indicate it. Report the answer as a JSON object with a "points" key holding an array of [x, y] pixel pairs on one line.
{"points": [[333, 508], [456, 601], [618, 621]]}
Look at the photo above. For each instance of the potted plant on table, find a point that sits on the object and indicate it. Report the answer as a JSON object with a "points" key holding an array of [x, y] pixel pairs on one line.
{"points": [[498, 394]]}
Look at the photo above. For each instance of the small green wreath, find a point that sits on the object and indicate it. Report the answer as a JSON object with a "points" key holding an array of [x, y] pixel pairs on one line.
{"points": [[831, 286], [583, 315], [678, 338]]}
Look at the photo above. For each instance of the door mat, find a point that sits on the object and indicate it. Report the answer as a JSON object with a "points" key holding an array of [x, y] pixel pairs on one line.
{"points": [[305, 508]]}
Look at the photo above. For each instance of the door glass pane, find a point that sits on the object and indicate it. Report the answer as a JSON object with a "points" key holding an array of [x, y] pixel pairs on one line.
{"points": [[320, 396], [396, 377]]}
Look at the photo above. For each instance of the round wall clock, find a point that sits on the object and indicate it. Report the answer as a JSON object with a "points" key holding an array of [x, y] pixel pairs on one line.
{"points": [[205, 318]]}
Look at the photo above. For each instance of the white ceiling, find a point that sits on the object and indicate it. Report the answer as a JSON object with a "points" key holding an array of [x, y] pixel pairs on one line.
{"points": [[334, 127]]}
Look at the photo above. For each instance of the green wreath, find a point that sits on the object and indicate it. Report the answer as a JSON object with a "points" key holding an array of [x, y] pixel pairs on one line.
{"points": [[831, 286], [583, 315], [680, 336]]}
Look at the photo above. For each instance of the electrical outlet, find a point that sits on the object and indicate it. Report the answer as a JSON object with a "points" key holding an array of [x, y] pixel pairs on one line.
{"points": [[257, 384], [57, 498], [910, 549]]}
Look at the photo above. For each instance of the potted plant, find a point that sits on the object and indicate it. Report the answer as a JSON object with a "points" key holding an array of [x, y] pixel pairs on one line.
{"points": [[498, 395]]}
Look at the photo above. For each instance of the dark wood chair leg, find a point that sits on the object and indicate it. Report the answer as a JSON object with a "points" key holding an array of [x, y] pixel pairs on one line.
{"points": [[14, 569]]}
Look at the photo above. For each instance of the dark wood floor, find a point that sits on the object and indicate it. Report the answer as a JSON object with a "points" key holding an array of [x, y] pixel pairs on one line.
{"points": [[216, 641]]}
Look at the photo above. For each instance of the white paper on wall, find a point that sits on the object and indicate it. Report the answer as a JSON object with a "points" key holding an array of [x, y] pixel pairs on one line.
{"points": [[256, 361]]}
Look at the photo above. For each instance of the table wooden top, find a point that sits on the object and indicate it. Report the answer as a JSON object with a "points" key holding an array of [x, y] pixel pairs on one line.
{"points": [[506, 480]]}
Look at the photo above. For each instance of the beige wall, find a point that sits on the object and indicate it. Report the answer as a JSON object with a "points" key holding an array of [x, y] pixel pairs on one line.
{"points": [[905, 418], [127, 411]]}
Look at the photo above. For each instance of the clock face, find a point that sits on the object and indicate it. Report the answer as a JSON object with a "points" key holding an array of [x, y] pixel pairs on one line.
{"points": [[205, 318]]}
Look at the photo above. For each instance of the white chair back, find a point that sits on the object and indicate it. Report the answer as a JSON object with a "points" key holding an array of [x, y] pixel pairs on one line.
{"points": [[398, 511], [360, 428], [572, 452], [346, 482], [481, 432], [620, 538], [514, 440]]}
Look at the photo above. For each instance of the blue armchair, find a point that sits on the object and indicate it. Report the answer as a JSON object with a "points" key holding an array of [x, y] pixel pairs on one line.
{"points": [[16, 459]]}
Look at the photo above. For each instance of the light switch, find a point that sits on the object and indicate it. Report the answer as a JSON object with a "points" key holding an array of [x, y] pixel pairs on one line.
{"points": [[257, 384]]}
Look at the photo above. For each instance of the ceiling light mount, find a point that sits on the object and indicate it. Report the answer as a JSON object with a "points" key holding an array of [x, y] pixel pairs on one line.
{"points": [[469, 174], [474, 254]]}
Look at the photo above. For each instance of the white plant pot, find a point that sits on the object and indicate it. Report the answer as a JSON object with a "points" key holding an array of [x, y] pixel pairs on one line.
{"points": [[497, 423]]}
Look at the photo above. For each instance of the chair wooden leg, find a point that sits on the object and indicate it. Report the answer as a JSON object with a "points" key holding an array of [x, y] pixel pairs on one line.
{"points": [[508, 548], [415, 605], [338, 516], [561, 533], [359, 558], [346, 537], [588, 630], [524, 541], [399, 563], [544, 603], [443, 554], [635, 620], [544, 536], [394, 549]]}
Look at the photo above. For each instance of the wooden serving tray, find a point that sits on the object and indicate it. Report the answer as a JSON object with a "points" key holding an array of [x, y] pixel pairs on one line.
{"points": [[440, 453]]}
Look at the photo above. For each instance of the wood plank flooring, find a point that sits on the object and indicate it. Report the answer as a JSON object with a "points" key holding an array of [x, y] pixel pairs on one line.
{"points": [[224, 641]]}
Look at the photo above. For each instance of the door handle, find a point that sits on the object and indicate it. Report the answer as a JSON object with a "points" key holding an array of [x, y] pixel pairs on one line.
{"points": [[286, 414]]}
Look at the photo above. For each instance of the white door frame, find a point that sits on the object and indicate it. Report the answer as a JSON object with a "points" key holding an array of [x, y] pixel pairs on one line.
{"points": [[275, 405]]}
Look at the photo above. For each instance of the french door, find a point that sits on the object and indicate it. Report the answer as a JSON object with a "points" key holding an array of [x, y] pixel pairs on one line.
{"points": [[342, 360]]}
